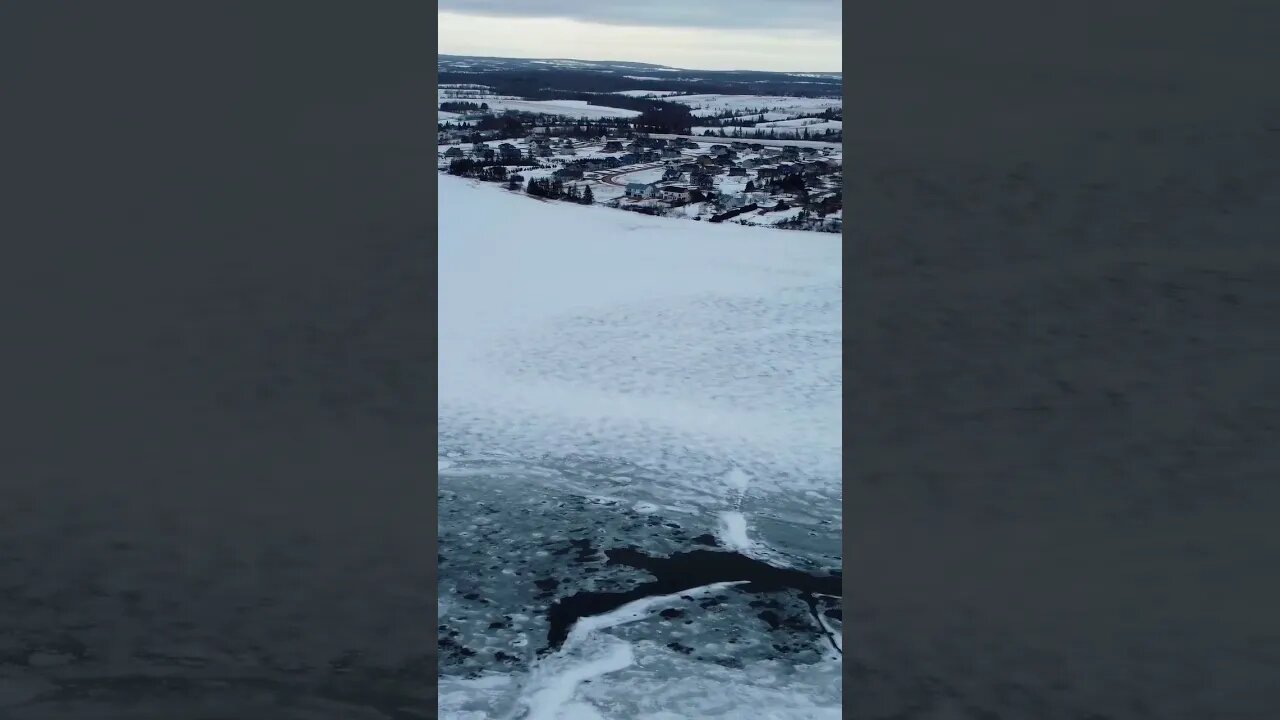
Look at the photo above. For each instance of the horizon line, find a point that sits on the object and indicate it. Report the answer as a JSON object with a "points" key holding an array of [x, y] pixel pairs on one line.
{"points": [[640, 62]]}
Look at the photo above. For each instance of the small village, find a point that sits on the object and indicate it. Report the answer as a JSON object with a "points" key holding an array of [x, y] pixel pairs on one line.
{"points": [[792, 185]]}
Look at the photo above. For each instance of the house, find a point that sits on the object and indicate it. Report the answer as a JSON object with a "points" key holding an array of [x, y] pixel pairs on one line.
{"points": [[639, 190], [753, 162], [487, 153], [790, 153], [453, 152], [738, 145], [737, 171], [567, 150], [612, 146], [688, 167], [628, 159], [507, 151], [671, 173], [675, 193], [756, 146], [816, 167], [771, 151], [705, 161], [764, 173], [702, 180], [719, 150], [723, 161], [648, 156], [670, 153], [612, 162], [691, 145]]}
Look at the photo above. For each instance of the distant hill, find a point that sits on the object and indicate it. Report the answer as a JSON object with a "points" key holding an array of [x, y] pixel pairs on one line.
{"points": [[524, 75]]}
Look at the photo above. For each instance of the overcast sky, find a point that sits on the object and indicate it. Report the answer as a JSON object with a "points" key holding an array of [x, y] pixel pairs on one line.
{"points": [[786, 35]]}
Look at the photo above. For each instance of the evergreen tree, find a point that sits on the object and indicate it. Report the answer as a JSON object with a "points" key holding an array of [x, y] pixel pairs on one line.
{"points": [[587, 196], [751, 186]]}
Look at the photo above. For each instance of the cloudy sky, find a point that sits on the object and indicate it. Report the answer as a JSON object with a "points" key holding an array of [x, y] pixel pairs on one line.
{"points": [[785, 35]]}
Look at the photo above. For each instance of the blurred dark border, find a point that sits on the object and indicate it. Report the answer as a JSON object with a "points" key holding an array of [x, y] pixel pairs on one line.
{"points": [[217, 496], [1061, 280]]}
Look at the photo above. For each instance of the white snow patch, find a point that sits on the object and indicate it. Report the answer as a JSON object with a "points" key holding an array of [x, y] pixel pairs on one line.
{"points": [[636, 610], [552, 700], [733, 531], [555, 680]]}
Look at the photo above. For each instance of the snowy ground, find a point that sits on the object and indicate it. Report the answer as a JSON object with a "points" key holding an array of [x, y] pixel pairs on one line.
{"points": [[762, 141], [612, 380], [568, 108]]}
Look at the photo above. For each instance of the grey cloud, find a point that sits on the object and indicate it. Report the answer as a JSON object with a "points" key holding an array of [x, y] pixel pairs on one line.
{"points": [[817, 15]]}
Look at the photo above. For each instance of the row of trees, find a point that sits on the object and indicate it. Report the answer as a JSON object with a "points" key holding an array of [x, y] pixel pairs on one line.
{"points": [[555, 189], [491, 170], [462, 107], [825, 135]]}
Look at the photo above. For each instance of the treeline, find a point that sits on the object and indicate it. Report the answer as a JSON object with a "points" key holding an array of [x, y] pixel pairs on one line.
{"points": [[749, 117], [462, 107], [554, 188], [509, 124], [825, 135], [488, 170]]}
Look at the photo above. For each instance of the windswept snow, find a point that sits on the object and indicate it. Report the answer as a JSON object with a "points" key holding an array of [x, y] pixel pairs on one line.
{"points": [[693, 347]]}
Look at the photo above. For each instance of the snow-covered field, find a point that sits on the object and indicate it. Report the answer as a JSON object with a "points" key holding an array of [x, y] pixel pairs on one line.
{"points": [[783, 128], [568, 108], [762, 141], [811, 123], [713, 104], [683, 345], [634, 380]]}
